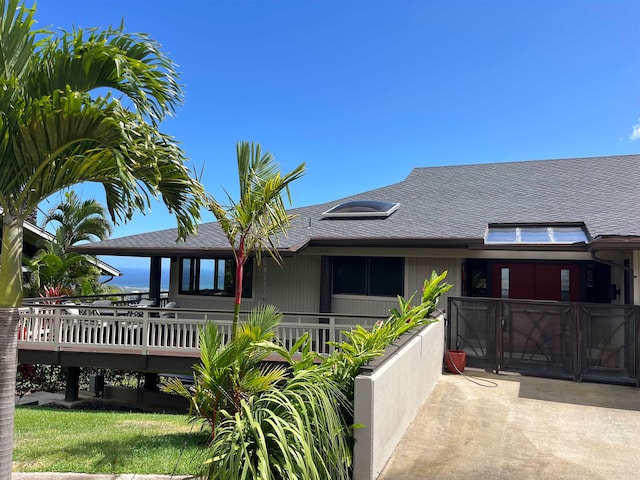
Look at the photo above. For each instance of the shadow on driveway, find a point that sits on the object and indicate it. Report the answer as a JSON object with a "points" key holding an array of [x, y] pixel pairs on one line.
{"points": [[525, 428]]}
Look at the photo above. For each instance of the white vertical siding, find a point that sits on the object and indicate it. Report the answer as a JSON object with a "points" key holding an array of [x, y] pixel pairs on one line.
{"points": [[355, 305]]}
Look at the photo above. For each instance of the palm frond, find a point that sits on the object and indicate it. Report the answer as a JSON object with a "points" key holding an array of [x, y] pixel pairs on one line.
{"points": [[132, 64]]}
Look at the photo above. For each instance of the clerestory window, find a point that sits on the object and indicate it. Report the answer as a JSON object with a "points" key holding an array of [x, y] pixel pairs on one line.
{"points": [[497, 234]]}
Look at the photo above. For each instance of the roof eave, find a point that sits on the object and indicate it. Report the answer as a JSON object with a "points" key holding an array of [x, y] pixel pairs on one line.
{"points": [[615, 242], [395, 242]]}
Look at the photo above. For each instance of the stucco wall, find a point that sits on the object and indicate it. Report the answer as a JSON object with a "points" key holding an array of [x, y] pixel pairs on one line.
{"points": [[387, 399]]}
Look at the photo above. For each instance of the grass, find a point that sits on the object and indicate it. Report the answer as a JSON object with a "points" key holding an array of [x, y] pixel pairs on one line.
{"points": [[58, 440]]}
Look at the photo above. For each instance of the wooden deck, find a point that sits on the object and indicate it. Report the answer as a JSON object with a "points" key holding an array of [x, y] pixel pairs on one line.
{"points": [[148, 339]]}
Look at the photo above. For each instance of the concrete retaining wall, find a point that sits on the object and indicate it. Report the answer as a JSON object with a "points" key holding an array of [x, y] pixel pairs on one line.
{"points": [[388, 397]]}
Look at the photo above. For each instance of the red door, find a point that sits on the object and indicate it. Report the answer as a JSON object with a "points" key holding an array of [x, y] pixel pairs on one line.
{"points": [[537, 281]]}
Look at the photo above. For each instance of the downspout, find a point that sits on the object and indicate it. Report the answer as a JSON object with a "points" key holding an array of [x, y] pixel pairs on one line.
{"points": [[610, 263]]}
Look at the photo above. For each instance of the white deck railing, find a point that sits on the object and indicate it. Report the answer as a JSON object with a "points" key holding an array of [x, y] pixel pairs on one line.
{"points": [[156, 331]]}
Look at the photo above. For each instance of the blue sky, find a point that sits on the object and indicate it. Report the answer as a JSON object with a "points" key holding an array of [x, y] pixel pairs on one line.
{"points": [[364, 91]]}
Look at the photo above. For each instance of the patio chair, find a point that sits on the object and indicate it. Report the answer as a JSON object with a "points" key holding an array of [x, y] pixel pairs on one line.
{"points": [[144, 303], [71, 308], [169, 306], [103, 311]]}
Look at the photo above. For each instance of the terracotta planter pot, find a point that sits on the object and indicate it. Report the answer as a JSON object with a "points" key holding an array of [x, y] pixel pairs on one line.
{"points": [[455, 360]]}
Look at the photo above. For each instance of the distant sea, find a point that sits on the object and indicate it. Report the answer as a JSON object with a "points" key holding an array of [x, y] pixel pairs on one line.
{"points": [[137, 279]]}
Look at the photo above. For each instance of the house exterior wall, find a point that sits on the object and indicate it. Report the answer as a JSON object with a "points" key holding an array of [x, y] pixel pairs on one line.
{"points": [[417, 269], [201, 301], [294, 286], [420, 268]]}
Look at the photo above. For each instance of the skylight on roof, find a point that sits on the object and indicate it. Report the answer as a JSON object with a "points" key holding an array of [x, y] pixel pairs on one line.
{"points": [[362, 208], [536, 234]]}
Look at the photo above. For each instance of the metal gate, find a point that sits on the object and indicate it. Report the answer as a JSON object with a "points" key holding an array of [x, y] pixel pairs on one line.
{"points": [[569, 340]]}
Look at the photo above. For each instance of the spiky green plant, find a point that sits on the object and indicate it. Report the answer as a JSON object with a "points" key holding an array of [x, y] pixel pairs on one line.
{"points": [[297, 432], [252, 224], [229, 373], [363, 345], [302, 427]]}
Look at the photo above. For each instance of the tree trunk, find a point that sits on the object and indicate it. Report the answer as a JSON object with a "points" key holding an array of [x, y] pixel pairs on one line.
{"points": [[10, 300], [8, 365], [240, 261]]}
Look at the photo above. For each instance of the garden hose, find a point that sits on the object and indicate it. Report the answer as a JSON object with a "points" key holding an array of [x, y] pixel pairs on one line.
{"points": [[477, 380]]}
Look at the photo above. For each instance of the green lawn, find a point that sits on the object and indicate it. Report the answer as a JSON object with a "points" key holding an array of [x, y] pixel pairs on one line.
{"points": [[59, 440]]}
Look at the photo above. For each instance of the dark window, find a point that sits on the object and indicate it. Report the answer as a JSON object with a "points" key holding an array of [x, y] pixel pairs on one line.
{"points": [[476, 275], [213, 276], [375, 276]]}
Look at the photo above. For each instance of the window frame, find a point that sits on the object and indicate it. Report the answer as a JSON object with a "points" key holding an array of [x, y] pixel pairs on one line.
{"points": [[366, 288], [537, 234], [194, 286]]}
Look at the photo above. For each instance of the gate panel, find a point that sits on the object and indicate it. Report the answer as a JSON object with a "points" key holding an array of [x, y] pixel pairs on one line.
{"points": [[539, 338], [608, 343], [579, 341], [472, 328]]}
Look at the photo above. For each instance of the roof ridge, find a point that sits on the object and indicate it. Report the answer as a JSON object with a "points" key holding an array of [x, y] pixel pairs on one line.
{"points": [[515, 162]]}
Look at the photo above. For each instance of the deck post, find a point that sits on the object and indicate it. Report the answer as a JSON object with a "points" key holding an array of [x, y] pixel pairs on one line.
{"points": [[155, 273], [73, 384], [151, 381]]}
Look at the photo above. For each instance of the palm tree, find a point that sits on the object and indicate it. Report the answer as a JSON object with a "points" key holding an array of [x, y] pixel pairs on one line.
{"points": [[58, 130], [78, 221], [54, 265], [51, 267], [228, 374], [253, 223]]}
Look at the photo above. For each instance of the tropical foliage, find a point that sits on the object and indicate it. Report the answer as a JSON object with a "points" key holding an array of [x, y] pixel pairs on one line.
{"points": [[363, 345], [230, 373], [296, 432], [298, 423], [65, 271], [61, 125], [253, 223], [75, 221], [78, 221]]}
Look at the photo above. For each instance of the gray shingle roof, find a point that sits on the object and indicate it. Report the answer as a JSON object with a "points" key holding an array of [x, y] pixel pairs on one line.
{"points": [[455, 203]]}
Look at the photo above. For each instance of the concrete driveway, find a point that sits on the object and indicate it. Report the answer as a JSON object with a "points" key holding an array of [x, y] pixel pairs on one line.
{"points": [[523, 428]]}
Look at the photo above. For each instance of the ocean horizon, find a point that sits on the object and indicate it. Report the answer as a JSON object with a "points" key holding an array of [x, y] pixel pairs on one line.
{"points": [[137, 279]]}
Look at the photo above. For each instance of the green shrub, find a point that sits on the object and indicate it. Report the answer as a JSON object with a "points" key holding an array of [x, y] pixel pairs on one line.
{"points": [[296, 432], [363, 345], [270, 426], [232, 372]]}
